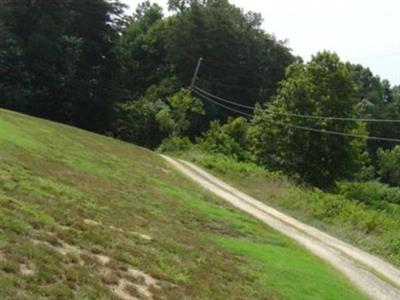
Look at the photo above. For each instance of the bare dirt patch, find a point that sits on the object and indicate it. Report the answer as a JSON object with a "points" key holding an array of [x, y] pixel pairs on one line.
{"points": [[127, 283], [27, 270], [127, 290], [142, 236], [103, 259], [116, 229], [92, 222]]}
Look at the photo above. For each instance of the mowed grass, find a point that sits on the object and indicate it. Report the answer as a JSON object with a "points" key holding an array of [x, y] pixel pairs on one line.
{"points": [[84, 216]]}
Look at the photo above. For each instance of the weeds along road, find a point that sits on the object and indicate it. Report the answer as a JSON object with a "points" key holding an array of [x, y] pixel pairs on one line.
{"points": [[377, 278]]}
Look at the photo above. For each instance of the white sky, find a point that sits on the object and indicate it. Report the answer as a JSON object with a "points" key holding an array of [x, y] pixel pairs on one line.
{"points": [[362, 31]]}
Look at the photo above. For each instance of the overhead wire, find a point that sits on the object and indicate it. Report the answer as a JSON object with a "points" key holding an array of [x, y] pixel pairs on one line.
{"points": [[304, 128], [222, 99], [221, 105], [239, 87], [301, 115]]}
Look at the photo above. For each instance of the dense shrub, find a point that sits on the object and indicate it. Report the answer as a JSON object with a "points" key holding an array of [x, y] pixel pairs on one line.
{"points": [[156, 117], [341, 213], [230, 139], [136, 122], [389, 165], [372, 193], [225, 164], [180, 113], [175, 144]]}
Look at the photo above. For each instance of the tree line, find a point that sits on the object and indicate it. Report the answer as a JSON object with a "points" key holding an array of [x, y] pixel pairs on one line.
{"points": [[88, 64]]}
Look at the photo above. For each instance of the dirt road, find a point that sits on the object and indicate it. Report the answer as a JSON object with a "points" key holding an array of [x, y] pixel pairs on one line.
{"points": [[377, 278]]}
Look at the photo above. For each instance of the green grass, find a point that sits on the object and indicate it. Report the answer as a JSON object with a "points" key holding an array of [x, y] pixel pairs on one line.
{"points": [[357, 219], [77, 210], [291, 272]]}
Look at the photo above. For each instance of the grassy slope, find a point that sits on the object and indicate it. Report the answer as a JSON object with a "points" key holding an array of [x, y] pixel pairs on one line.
{"points": [[375, 230], [67, 195]]}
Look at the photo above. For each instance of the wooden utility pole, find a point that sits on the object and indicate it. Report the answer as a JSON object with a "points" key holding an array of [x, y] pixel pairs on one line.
{"points": [[196, 73]]}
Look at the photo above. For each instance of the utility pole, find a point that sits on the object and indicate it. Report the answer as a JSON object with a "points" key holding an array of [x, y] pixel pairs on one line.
{"points": [[196, 72]]}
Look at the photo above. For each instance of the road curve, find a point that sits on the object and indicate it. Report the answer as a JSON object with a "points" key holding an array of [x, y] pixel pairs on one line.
{"points": [[377, 278]]}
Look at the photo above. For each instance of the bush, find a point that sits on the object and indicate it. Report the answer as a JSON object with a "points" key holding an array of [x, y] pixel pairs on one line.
{"points": [[389, 166], [230, 139], [175, 144], [337, 210], [153, 118], [177, 117], [136, 122], [226, 164], [372, 193]]}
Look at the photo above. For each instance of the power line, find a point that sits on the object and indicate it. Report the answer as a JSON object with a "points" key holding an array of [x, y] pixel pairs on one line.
{"points": [[240, 87], [300, 115], [337, 133], [304, 128], [221, 105], [222, 99]]}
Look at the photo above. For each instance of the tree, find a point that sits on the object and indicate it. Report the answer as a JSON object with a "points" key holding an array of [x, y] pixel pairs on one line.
{"points": [[35, 36], [389, 165], [179, 114], [322, 87], [241, 61], [230, 139], [376, 100], [396, 93], [141, 50], [136, 122], [61, 57], [155, 117], [96, 87], [15, 83]]}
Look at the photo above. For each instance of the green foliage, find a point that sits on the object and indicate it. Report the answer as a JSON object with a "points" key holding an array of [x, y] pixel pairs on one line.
{"points": [[155, 117], [322, 87], [373, 193], [15, 83], [154, 48], [389, 165], [175, 144], [360, 165], [230, 139], [376, 100], [224, 164], [58, 60], [180, 112], [137, 122], [396, 94], [87, 64], [141, 50]]}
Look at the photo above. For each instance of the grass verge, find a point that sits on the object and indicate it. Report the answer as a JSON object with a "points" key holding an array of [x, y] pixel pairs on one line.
{"points": [[372, 227]]}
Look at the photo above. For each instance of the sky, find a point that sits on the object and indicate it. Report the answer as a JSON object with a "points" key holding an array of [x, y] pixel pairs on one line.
{"points": [[360, 31]]}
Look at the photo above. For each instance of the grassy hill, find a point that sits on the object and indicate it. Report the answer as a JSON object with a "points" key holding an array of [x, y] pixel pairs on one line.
{"points": [[84, 216]]}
